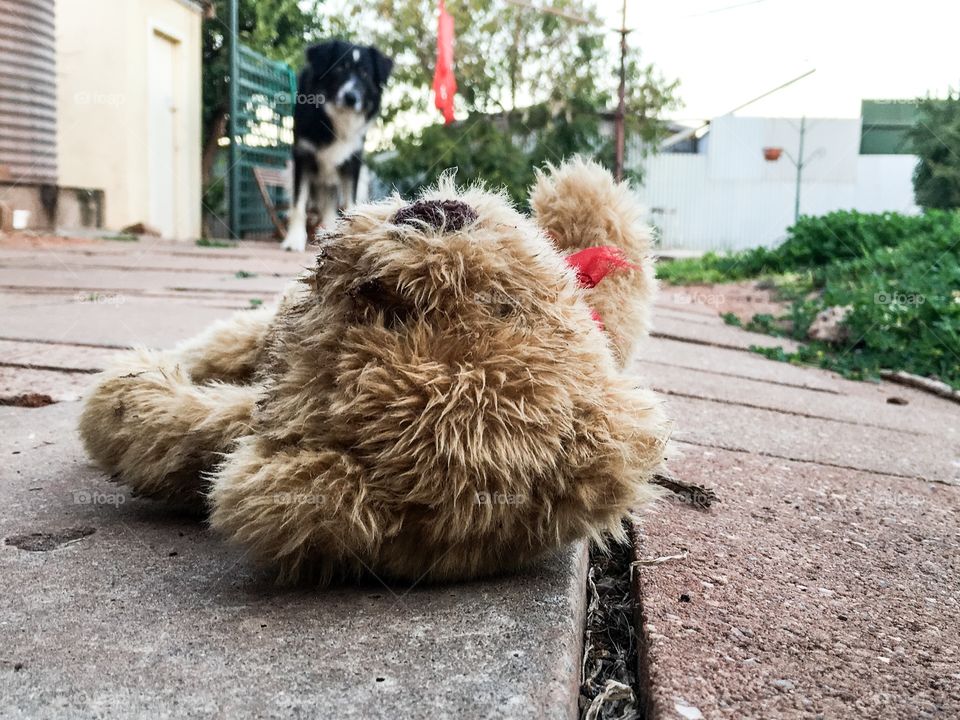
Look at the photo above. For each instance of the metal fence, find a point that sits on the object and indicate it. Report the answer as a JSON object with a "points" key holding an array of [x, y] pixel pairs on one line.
{"points": [[266, 91]]}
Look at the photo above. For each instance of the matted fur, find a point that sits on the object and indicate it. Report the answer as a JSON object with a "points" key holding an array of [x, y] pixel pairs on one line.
{"points": [[580, 205], [428, 403]]}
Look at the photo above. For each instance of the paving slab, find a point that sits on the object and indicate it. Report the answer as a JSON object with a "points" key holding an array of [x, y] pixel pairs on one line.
{"points": [[733, 363], [684, 314], [58, 385], [703, 330], [865, 411], [777, 435], [669, 299], [94, 280], [135, 611], [25, 244], [726, 364], [111, 321], [53, 356], [807, 592], [276, 263]]}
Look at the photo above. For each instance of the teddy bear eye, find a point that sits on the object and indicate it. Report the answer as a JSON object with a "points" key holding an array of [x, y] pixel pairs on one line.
{"points": [[372, 298]]}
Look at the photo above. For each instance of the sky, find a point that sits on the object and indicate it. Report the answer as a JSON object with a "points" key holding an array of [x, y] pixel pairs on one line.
{"points": [[726, 52]]}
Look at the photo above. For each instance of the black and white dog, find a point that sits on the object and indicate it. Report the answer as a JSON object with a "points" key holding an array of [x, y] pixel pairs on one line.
{"points": [[338, 97]]}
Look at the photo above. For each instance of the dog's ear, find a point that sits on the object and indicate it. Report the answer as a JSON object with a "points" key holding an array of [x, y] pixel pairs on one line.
{"points": [[382, 66], [321, 56]]}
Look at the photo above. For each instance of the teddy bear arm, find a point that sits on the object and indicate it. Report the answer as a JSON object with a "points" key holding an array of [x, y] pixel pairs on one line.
{"points": [[229, 350], [148, 425]]}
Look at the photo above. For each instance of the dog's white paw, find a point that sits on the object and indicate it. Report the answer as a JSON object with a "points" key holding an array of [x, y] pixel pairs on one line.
{"points": [[296, 239]]}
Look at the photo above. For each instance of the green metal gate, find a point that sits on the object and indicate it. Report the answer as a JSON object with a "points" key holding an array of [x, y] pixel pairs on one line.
{"points": [[261, 131]]}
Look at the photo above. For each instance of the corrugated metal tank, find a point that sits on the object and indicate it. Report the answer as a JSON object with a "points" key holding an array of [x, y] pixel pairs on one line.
{"points": [[28, 90]]}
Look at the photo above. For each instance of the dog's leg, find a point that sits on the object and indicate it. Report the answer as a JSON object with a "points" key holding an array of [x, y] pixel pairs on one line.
{"points": [[326, 199], [362, 193], [149, 426], [296, 238], [349, 177]]}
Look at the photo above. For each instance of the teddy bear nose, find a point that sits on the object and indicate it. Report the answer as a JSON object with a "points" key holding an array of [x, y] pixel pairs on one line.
{"points": [[448, 215]]}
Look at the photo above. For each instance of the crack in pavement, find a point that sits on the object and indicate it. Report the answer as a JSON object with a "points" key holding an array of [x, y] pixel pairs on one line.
{"points": [[822, 463], [70, 343], [704, 343], [795, 413], [51, 368], [782, 383]]}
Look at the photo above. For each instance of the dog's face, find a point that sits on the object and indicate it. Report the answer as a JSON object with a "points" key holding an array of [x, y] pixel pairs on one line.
{"points": [[348, 76]]}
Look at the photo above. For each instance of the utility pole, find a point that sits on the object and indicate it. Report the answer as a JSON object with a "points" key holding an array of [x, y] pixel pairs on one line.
{"points": [[233, 176], [621, 97]]}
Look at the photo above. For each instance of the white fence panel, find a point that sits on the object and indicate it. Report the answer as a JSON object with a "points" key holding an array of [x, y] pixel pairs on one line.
{"points": [[728, 197]]}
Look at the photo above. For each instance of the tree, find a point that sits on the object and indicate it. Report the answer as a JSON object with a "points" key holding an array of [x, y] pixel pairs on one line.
{"points": [[936, 141], [536, 86]]}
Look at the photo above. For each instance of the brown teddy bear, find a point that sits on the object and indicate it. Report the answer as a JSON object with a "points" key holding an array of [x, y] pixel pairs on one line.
{"points": [[436, 399]]}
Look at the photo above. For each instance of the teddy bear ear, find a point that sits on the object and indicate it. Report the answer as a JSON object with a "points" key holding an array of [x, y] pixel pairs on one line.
{"points": [[579, 205]]}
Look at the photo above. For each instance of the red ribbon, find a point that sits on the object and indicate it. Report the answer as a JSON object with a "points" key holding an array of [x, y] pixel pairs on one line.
{"points": [[595, 263]]}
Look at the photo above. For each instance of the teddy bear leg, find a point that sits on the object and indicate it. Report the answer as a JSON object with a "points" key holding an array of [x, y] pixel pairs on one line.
{"points": [[299, 511], [151, 428], [579, 205], [230, 350]]}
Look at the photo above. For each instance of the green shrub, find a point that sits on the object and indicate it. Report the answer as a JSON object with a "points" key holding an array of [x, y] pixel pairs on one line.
{"points": [[906, 305], [935, 139], [813, 243], [899, 273]]}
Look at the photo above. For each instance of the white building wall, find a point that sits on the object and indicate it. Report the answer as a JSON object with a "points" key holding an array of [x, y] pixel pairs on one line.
{"points": [[728, 197], [104, 106]]}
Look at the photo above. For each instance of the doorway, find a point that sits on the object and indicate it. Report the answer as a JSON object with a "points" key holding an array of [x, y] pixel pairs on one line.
{"points": [[162, 140]]}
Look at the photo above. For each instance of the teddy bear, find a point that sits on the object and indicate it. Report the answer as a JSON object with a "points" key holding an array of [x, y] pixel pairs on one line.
{"points": [[441, 397]]}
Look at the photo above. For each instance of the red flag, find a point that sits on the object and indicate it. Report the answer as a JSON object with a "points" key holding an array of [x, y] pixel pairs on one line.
{"points": [[444, 83]]}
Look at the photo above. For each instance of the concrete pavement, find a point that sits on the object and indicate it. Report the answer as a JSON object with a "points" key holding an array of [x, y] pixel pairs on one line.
{"points": [[134, 611]]}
